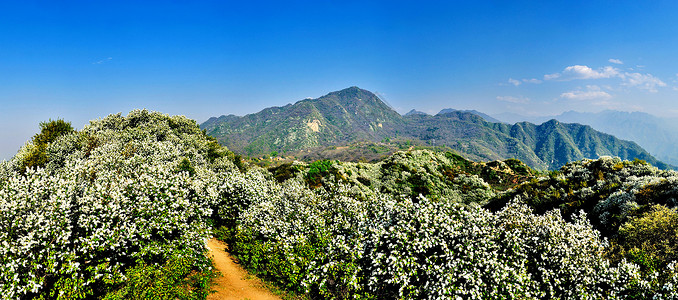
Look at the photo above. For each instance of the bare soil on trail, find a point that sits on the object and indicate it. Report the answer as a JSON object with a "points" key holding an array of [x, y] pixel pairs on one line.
{"points": [[234, 282]]}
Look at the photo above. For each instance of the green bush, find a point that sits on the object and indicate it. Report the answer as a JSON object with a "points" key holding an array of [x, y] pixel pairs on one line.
{"points": [[175, 279], [49, 132], [237, 161], [185, 166], [651, 240], [317, 170], [36, 157], [272, 260], [517, 166], [285, 171], [214, 151]]}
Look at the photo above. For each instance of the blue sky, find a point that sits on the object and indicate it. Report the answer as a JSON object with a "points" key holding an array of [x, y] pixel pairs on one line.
{"points": [[82, 60]]}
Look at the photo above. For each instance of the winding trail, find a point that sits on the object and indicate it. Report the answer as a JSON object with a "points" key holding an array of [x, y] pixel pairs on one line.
{"points": [[234, 283]]}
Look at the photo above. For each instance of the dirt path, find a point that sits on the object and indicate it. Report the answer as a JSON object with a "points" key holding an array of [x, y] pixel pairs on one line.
{"points": [[233, 282]]}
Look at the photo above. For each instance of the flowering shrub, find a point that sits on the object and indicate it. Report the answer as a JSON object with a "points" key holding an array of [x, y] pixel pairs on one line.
{"points": [[628, 202], [610, 189], [333, 246], [412, 173], [111, 198], [350, 240], [122, 208]]}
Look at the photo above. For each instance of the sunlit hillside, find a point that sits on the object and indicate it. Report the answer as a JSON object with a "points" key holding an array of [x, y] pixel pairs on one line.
{"points": [[122, 210]]}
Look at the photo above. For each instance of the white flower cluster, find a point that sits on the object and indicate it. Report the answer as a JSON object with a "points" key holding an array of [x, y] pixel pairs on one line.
{"points": [[413, 173], [609, 188], [135, 189], [111, 196], [625, 201], [398, 249]]}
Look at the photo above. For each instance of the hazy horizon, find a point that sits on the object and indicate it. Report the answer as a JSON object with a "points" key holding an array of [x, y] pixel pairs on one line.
{"points": [[80, 60]]}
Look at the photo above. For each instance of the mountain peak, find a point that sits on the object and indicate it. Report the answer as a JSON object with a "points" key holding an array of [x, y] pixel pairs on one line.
{"points": [[416, 112], [354, 90], [355, 115], [348, 115], [353, 98], [473, 111]]}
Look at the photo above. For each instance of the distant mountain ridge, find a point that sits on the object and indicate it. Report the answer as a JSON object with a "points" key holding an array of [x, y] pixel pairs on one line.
{"points": [[415, 112], [658, 136], [485, 117], [348, 115], [354, 114]]}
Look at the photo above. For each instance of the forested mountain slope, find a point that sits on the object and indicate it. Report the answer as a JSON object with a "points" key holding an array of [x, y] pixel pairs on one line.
{"points": [[657, 135], [340, 117], [355, 115]]}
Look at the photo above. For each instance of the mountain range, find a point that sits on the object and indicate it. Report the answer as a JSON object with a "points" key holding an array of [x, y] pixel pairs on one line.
{"points": [[659, 136], [486, 117], [355, 115]]}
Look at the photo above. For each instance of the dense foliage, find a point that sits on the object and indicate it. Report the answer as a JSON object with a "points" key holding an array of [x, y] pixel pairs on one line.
{"points": [[111, 202], [122, 209], [414, 173], [651, 239], [384, 249], [630, 202], [336, 242], [36, 152]]}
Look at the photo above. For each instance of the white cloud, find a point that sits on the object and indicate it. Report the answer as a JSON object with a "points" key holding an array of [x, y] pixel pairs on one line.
{"points": [[615, 61], [512, 99], [591, 92], [642, 81], [583, 72], [517, 82], [514, 82], [102, 61], [605, 103], [551, 76]]}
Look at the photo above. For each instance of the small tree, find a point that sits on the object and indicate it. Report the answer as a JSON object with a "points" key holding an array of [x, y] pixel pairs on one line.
{"points": [[49, 132], [317, 170]]}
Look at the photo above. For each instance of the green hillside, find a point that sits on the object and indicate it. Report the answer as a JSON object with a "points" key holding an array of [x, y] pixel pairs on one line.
{"points": [[122, 210], [340, 117], [354, 115]]}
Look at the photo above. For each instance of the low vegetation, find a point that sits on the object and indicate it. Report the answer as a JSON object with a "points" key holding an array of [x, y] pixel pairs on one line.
{"points": [[122, 210], [118, 210]]}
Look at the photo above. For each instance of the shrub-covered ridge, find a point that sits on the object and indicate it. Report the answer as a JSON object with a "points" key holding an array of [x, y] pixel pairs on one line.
{"points": [[107, 201], [392, 244], [122, 208]]}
